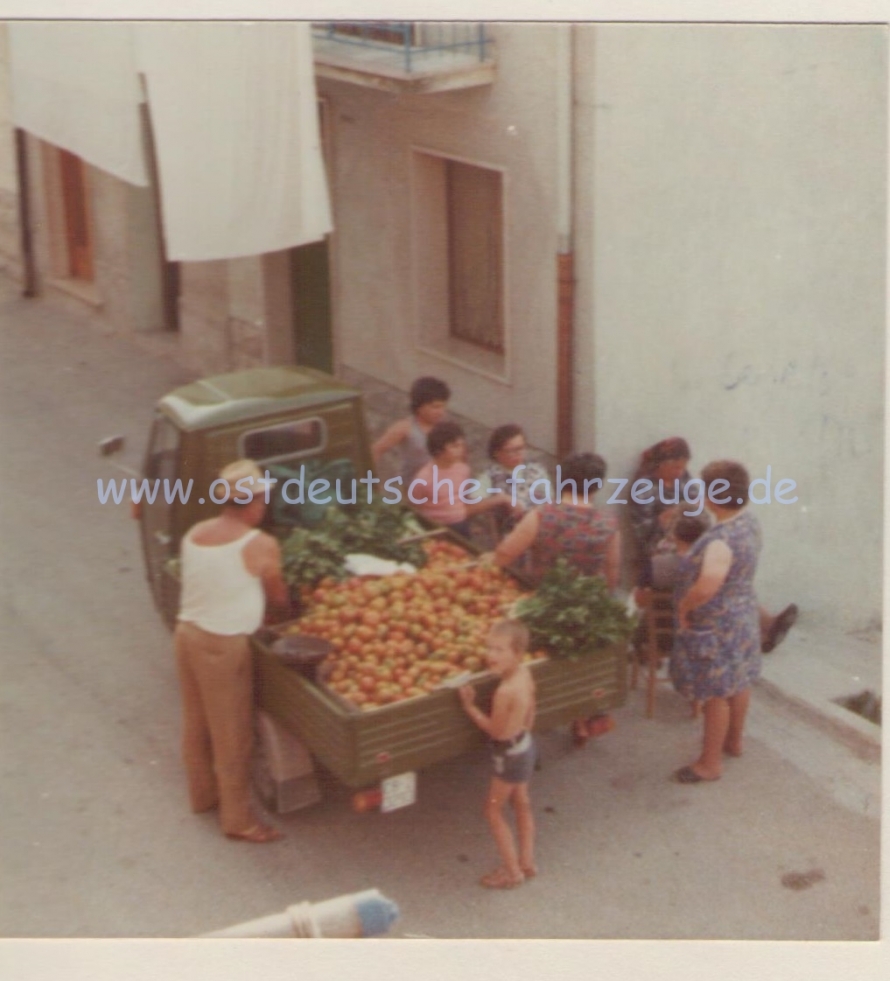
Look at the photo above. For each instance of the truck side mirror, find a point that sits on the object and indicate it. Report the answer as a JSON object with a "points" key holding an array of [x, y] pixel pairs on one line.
{"points": [[111, 444]]}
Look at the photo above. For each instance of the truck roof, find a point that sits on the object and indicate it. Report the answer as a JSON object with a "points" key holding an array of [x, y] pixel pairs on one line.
{"points": [[254, 392]]}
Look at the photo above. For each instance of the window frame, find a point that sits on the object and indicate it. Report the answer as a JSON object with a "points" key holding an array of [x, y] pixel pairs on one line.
{"points": [[441, 344], [281, 458]]}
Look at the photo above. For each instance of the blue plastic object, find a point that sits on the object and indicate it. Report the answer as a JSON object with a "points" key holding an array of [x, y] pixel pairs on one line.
{"points": [[376, 912]]}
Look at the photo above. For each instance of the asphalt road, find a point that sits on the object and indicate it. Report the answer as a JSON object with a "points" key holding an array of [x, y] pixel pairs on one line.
{"points": [[97, 839]]}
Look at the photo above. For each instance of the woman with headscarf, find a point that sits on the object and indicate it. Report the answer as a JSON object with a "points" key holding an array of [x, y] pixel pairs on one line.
{"points": [[656, 491], [664, 467]]}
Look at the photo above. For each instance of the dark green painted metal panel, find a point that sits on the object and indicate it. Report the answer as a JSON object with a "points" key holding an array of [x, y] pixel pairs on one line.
{"points": [[360, 748]]}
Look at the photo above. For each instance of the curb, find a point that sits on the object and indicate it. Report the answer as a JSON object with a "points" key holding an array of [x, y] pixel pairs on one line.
{"points": [[858, 734]]}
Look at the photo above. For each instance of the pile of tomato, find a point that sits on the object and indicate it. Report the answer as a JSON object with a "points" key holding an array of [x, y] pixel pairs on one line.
{"points": [[400, 636]]}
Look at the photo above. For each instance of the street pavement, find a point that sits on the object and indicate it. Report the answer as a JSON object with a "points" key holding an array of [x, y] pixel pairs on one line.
{"points": [[97, 839]]}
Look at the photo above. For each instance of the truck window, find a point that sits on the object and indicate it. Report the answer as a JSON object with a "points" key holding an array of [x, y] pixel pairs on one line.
{"points": [[284, 442]]}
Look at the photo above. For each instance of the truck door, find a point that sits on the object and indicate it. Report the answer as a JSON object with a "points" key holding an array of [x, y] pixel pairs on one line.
{"points": [[158, 545]]}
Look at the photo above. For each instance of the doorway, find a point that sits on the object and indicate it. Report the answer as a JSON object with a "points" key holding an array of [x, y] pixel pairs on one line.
{"points": [[78, 242], [310, 277]]}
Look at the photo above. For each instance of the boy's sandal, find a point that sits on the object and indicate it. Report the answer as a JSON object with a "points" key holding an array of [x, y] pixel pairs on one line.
{"points": [[259, 834], [501, 879]]}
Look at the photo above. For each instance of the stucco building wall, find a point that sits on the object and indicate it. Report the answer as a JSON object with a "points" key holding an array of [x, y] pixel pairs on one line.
{"points": [[731, 275], [378, 208]]}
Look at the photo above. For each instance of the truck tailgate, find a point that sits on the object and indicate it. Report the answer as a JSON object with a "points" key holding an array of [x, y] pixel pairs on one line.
{"points": [[360, 748]]}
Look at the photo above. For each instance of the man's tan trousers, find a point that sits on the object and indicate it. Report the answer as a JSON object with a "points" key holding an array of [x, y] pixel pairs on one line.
{"points": [[216, 678]]}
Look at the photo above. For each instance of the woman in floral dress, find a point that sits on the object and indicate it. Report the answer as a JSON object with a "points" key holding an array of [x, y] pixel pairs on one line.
{"points": [[716, 655], [572, 528]]}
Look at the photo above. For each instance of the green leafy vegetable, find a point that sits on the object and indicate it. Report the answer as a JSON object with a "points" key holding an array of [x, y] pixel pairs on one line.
{"points": [[375, 529], [571, 614], [309, 555]]}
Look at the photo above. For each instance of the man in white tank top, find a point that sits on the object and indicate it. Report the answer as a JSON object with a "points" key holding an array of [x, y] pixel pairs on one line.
{"points": [[229, 570]]}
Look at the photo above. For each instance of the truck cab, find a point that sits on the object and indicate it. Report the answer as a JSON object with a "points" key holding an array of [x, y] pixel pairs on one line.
{"points": [[280, 417]]}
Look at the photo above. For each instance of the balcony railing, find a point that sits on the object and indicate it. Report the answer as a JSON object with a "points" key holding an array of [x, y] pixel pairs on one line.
{"points": [[423, 56]]}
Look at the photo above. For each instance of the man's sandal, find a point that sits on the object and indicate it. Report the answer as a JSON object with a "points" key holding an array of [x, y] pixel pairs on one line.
{"points": [[501, 879], [259, 834]]}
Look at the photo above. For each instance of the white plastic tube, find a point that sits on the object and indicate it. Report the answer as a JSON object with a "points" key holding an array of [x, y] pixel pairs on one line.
{"points": [[361, 914]]}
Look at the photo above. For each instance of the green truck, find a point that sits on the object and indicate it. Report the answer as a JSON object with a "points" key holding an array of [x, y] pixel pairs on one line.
{"points": [[292, 417]]}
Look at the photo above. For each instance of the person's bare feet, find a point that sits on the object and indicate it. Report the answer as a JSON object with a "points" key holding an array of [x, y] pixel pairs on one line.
{"points": [[529, 870], [259, 834], [500, 878], [731, 748]]}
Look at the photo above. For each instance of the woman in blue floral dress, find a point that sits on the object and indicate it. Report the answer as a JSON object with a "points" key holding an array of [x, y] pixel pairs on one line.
{"points": [[716, 655]]}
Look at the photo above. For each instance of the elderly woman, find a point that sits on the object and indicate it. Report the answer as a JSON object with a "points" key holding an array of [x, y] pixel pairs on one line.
{"points": [[651, 510], [507, 451], [716, 655], [665, 465], [571, 528]]}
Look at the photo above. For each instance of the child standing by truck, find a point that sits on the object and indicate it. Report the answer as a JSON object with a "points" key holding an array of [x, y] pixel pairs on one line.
{"points": [[429, 401], [513, 752]]}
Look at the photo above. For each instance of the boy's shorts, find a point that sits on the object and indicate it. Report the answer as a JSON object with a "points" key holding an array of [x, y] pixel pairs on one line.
{"points": [[514, 761]]}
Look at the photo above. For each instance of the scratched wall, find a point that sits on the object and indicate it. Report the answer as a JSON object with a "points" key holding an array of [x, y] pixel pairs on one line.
{"points": [[731, 257]]}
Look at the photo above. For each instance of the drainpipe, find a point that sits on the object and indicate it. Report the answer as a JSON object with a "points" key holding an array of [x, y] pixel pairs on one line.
{"points": [[29, 268], [565, 258]]}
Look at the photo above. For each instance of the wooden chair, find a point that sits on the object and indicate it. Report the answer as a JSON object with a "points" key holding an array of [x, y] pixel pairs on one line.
{"points": [[658, 614], [658, 606]]}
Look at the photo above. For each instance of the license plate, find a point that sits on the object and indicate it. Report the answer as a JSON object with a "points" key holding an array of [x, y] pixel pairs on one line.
{"points": [[400, 791]]}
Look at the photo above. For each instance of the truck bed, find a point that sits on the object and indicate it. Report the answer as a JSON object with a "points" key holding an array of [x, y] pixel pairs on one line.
{"points": [[362, 747]]}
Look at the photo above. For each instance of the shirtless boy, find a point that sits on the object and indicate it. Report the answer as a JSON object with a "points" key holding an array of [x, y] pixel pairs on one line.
{"points": [[513, 752]]}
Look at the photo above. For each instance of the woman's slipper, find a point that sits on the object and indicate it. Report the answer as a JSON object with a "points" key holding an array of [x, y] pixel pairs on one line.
{"points": [[687, 775], [259, 834], [779, 628], [501, 879], [580, 733]]}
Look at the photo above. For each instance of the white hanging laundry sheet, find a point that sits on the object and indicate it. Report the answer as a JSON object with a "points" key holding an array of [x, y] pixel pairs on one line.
{"points": [[235, 118], [76, 86]]}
